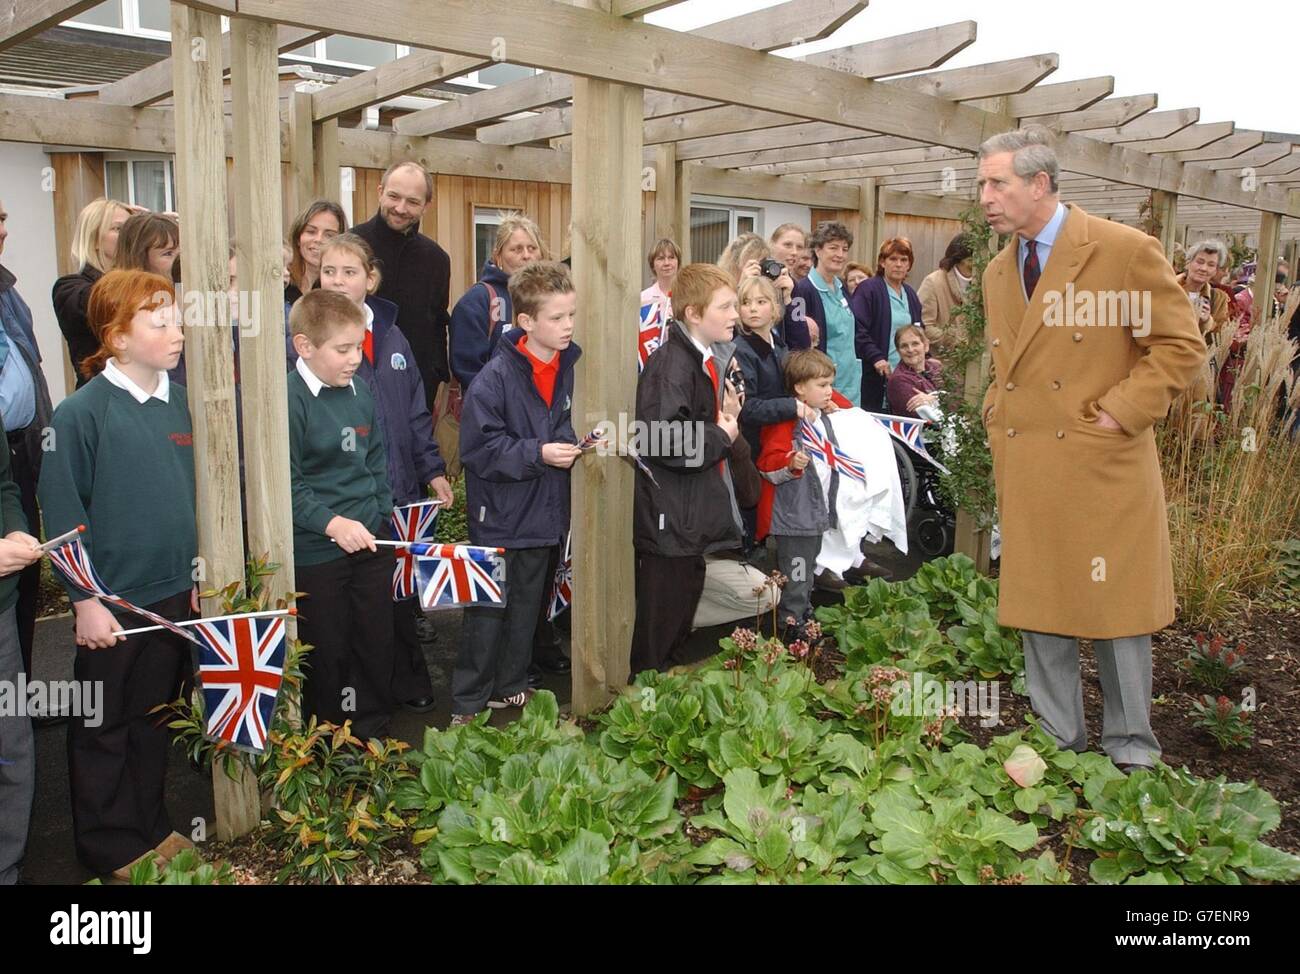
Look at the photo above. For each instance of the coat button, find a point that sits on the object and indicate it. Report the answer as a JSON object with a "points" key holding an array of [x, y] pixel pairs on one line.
{"points": [[1010, 386], [1011, 432], [1078, 336], [1056, 383], [1060, 434], [997, 342]]}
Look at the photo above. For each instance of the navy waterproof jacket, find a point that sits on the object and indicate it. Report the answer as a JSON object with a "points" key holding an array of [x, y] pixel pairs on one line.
{"points": [[473, 336], [512, 498], [401, 407]]}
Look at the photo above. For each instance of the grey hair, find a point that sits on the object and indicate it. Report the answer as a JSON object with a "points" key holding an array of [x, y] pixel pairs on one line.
{"points": [[1209, 246], [1032, 152], [829, 230]]}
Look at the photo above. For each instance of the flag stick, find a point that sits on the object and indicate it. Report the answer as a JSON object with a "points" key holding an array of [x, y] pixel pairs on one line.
{"points": [[434, 544], [194, 622], [62, 539]]}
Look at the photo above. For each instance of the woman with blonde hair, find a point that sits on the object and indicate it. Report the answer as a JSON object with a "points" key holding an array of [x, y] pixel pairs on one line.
{"points": [[94, 248], [744, 257], [484, 311]]}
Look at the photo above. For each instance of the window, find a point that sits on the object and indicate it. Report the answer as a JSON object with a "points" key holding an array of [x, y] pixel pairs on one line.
{"points": [[355, 52], [147, 182], [105, 15], [713, 226], [500, 74], [486, 221], [151, 18]]}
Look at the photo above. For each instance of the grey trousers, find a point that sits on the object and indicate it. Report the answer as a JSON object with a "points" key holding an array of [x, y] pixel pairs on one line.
{"points": [[17, 759], [796, 559], [1056, 694], [496, 644]]}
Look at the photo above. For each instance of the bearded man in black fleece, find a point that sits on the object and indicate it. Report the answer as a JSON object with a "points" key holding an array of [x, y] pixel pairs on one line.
{"points": [[415, 271]]}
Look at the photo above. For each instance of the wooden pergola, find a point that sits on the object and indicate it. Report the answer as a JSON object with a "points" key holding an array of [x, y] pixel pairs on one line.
{"points": [[620, 107]]}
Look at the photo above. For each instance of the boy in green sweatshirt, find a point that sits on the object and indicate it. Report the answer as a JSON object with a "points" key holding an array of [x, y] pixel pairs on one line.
{"points": [[341, 501]]}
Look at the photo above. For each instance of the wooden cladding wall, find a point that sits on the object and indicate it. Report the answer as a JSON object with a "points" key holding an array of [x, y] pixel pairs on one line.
{"points": [[450, 216]]}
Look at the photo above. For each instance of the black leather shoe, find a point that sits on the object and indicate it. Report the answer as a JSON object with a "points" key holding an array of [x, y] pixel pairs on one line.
{"points": [[421, 705], [535, 678]]}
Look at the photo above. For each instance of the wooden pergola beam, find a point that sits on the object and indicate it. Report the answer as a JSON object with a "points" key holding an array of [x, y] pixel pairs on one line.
{"points": [[760, 30], [392, 80], [1192, 137], [1228, 148], [918, 50], [1261, 155], [547, 88], [1153, 125], [1064, 96], [1108, 113], [21, 20], [990, 80], [871, 160], [815, 151], [154, 83]]}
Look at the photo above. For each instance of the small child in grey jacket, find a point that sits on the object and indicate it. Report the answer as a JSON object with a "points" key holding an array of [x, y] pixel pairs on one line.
{"points": [[793, 508]]}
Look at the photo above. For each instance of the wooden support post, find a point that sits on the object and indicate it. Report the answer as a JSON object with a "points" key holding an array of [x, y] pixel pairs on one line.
{"points": [[607, 269], [253, 72], [682, 209], [302, 156], [209, 355], [871, 221], [1164, 209], [666, 224], [1292, 253], [325, 148], [1270, 230], [970, 539]]}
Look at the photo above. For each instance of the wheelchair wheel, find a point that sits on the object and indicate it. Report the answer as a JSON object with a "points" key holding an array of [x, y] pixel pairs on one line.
{"points": [[934, 535], [907, 478]]}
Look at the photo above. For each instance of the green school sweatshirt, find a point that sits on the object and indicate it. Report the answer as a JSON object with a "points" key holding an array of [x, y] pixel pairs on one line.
{"points": [[337, 466], [126, 471]]}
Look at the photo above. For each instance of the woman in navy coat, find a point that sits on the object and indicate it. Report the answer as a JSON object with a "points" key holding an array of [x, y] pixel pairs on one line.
{"points": [[881, 305]]}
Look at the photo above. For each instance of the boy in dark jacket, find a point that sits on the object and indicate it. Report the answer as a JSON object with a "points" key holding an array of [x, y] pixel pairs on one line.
{"points": [[341, 501], [682, 400], [517, 444]]}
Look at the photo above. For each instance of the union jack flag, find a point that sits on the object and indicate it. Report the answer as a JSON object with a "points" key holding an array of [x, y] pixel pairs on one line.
{"points": [[73, 562], [651, 333], [562, 589], [592, 439], [456, 575], [411, 522], [908, 432], [825, 450], [241, 666]]}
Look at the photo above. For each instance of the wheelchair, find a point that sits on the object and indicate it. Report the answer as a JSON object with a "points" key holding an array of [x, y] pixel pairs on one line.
{"points": [[931, 523]]}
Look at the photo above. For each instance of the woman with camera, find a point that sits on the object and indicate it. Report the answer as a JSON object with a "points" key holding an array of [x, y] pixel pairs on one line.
{"points": [[749, 256]]}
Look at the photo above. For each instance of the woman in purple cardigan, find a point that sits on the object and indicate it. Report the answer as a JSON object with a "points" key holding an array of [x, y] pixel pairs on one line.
{"points": [[881, 305]]}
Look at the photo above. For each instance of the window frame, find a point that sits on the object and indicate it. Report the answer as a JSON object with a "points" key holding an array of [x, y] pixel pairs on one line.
{"points": [[129, 159]]}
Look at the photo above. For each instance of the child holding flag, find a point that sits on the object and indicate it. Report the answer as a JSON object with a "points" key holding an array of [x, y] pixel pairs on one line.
{"points": [[127, 423], [347, 265], [341, 501], [517, 444], [793, 507]]}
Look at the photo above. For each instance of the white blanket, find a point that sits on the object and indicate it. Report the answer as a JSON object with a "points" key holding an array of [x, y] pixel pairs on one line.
{"points": [[872, 511]]}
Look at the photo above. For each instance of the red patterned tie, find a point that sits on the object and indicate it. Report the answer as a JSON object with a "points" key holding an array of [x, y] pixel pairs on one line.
{"points": [[1032, 270]]}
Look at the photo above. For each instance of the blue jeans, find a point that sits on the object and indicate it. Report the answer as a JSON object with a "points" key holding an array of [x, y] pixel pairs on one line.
{"points": [[17, 758]]}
